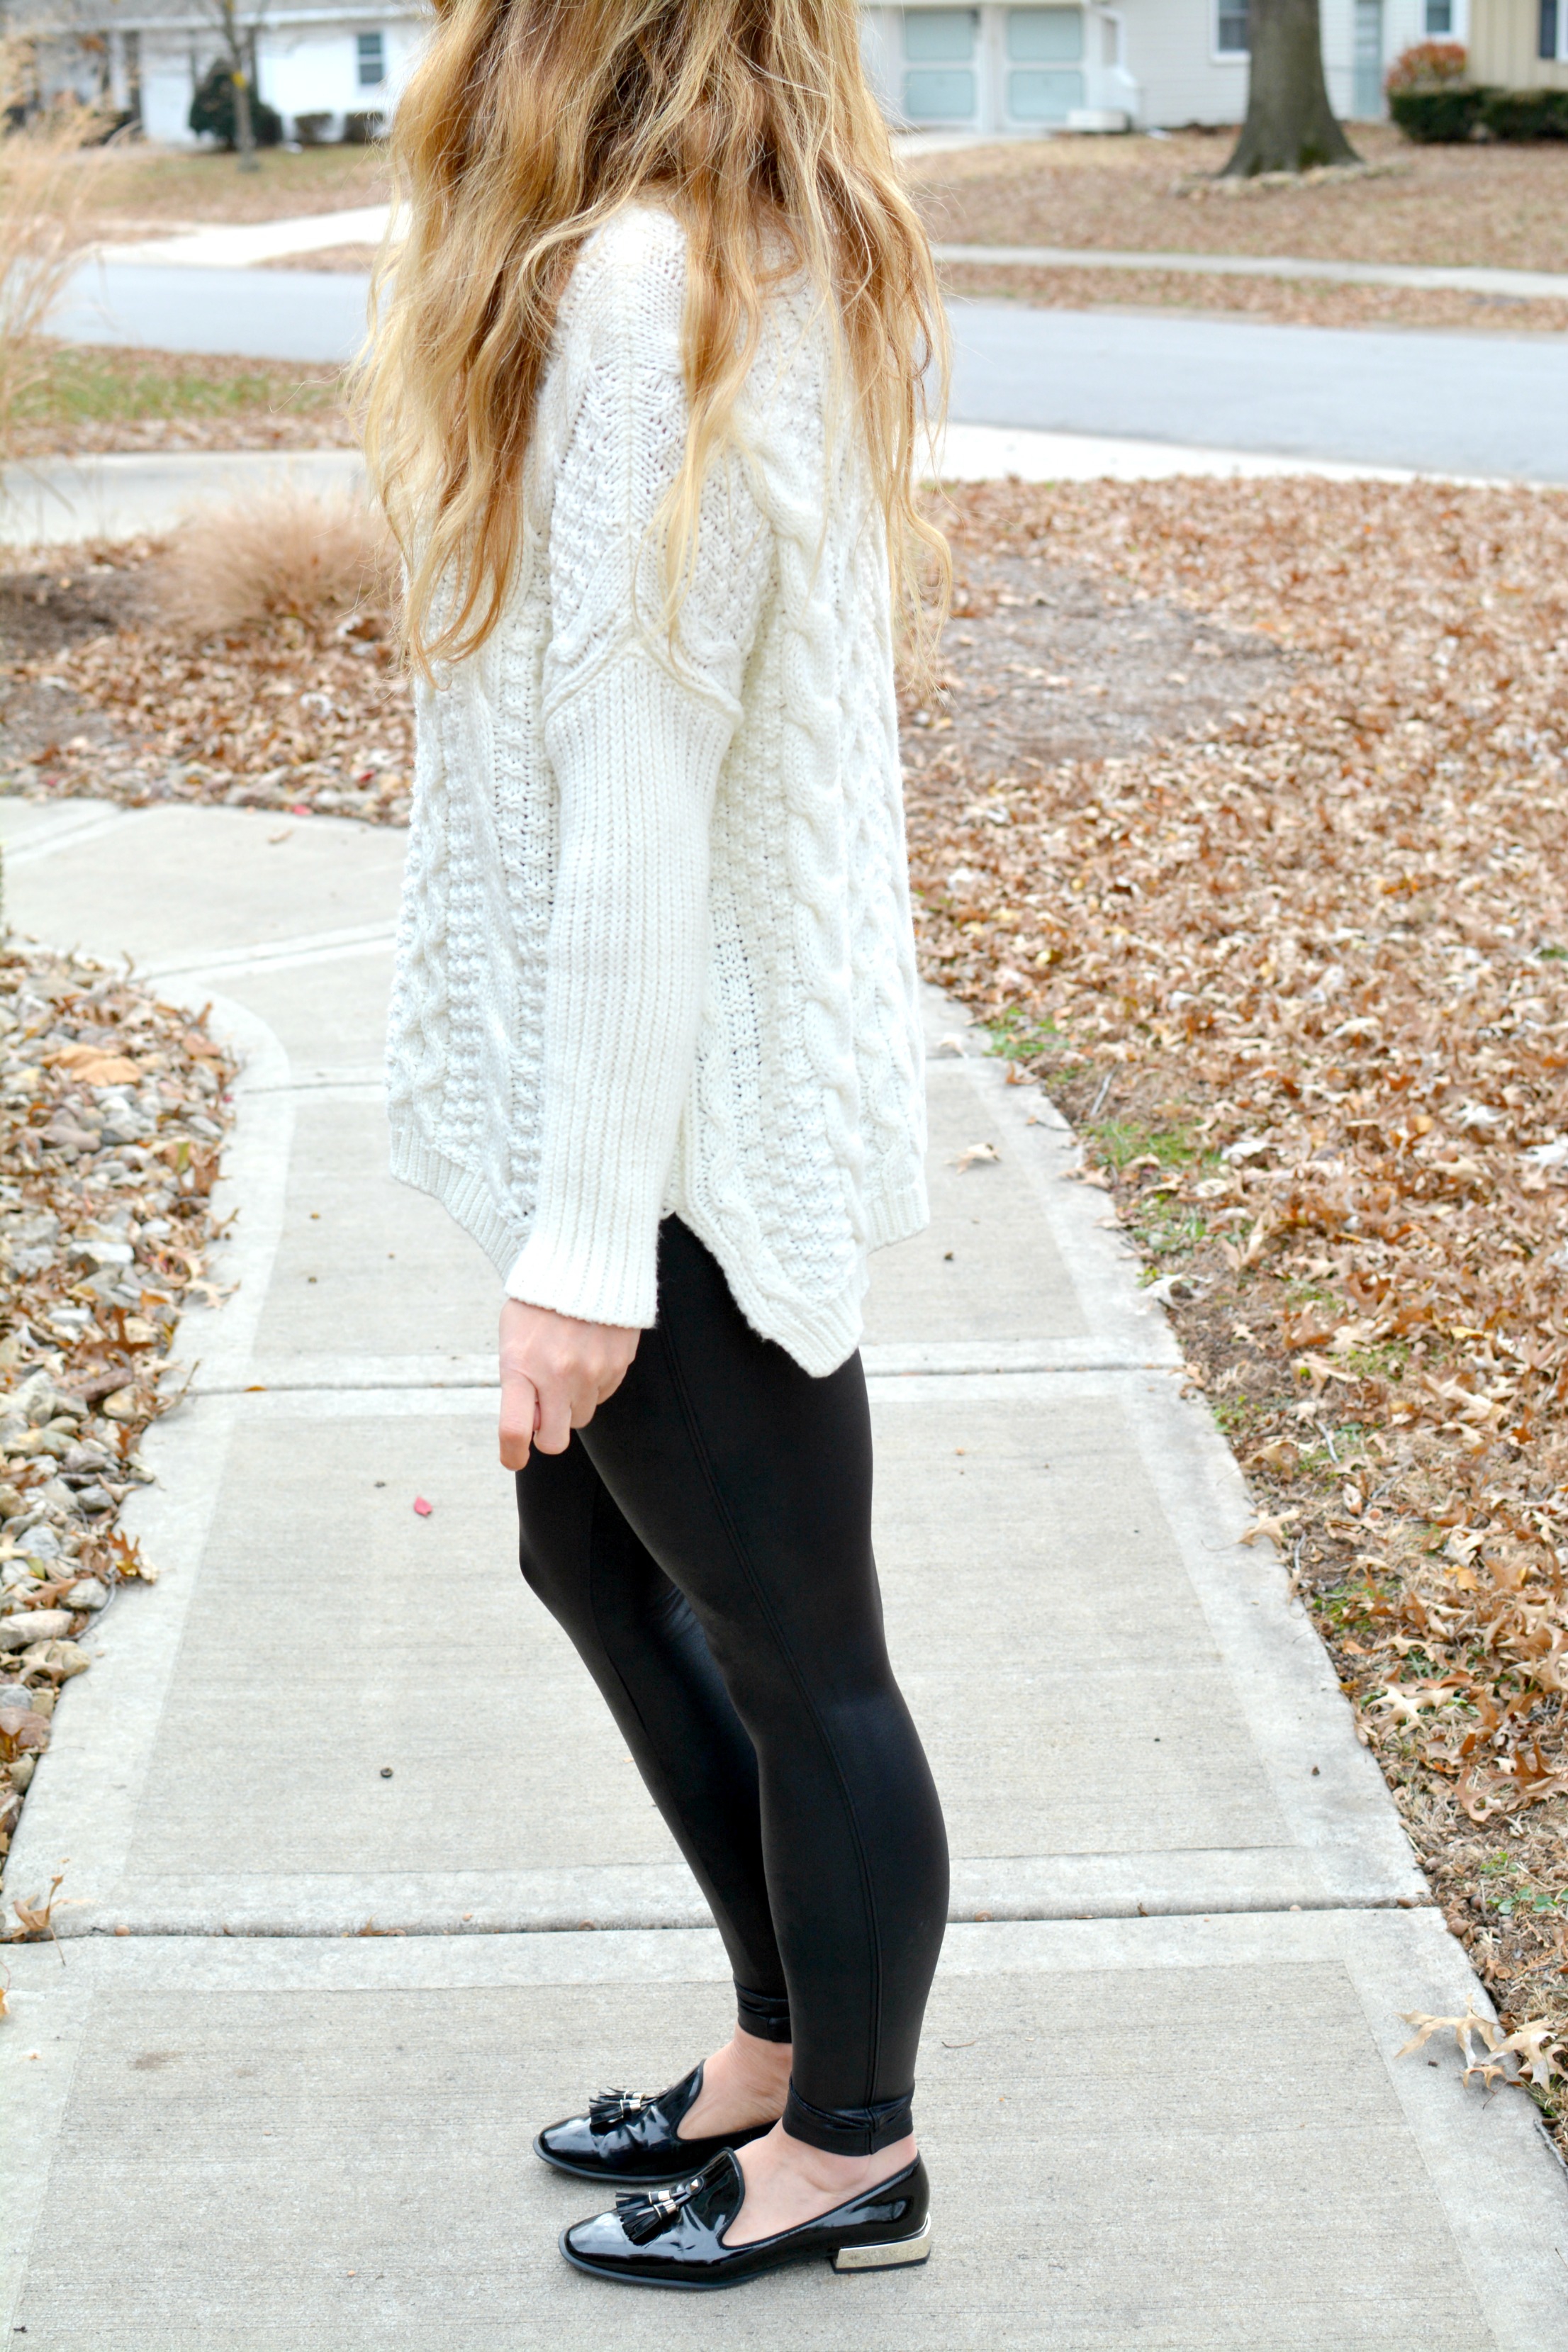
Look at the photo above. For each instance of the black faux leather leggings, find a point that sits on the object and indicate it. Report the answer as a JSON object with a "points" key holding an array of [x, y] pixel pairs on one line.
{"points": [[706, 1543]]}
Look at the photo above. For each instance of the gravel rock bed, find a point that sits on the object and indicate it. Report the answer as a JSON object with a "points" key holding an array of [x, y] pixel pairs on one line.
{"points": [[113, 1112]]}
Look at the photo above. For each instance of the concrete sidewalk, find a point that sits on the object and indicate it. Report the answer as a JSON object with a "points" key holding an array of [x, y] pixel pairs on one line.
{"points": [[310, 2017], [57, 501], [243, 245]]}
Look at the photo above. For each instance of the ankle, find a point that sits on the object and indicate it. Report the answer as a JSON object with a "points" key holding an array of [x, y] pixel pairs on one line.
{"points": [[828, 2172], [764, 2065]]}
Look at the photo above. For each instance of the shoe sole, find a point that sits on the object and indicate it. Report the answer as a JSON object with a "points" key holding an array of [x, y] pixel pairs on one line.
{"points": [[892, 2254], [885, 2257]]}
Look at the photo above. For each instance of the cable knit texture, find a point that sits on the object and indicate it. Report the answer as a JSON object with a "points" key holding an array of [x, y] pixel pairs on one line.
{"points": [[656, 952]]}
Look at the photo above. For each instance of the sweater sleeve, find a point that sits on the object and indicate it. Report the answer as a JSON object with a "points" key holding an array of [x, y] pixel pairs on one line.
{"points": [[635, 730]]}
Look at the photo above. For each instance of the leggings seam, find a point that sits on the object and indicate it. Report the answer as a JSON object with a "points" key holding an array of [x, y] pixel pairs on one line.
{"points": [[694, 1432], [594, 1508]]}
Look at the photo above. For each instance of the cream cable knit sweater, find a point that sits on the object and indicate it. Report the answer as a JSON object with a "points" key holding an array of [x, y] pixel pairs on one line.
{"points": [[656, 952]]}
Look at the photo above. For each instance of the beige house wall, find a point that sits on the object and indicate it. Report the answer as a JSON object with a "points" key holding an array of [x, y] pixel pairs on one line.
{"points": [[1503, 39]]}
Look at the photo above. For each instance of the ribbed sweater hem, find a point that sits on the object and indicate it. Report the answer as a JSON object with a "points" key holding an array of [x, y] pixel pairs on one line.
{"points": [[465, 1196], [820, 1335]]}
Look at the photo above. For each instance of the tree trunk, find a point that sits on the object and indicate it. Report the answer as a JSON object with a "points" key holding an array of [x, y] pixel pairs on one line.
{"points": [[1289, 123], [244, 129]]}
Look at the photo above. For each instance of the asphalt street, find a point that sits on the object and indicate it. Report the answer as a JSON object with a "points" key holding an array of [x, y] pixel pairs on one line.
{"points": [[258, 314], [1453, 404], [1450, 404]]}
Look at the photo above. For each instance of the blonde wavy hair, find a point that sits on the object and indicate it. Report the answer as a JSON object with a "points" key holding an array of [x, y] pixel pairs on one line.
{"points": [[526, 124]]}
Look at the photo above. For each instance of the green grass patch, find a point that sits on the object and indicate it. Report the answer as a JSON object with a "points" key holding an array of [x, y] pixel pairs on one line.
{"points": [[1017, 1038], [1119, 1141], [1167, 1228], [94, 384]]}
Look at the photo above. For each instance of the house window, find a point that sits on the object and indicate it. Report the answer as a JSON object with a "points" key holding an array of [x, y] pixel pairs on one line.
{"points": [[1546, 47], [1044, 48], [1233, 36], [939, 53], [372, 50], [1439, 20]]}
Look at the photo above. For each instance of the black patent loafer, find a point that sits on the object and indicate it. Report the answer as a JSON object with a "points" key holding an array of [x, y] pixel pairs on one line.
{"points": [[677, 2239], [632, 2137]]}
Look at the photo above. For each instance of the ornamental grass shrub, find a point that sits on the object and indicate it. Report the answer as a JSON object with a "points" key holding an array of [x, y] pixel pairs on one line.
{"points": [[283, 553]]}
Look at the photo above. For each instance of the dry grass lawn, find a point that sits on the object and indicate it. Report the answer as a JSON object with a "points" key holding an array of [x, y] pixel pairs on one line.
{"points": [[137, 190], [1493, 206]]}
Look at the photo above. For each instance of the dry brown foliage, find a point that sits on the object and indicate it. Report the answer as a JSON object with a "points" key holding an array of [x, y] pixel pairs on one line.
{"points": [[135, 191], [43, 230], [337, 260], [305, 712], [275, 555], [1311, 964], [92, 397]]}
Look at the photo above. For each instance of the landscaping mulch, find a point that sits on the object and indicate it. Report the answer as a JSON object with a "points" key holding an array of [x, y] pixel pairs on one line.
{"points": [[115, 1107], [1298, 971], [1491, 207]]}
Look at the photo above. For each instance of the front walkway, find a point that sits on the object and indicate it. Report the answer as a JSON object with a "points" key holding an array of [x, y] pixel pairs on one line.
{"points": [[361, 1886]]}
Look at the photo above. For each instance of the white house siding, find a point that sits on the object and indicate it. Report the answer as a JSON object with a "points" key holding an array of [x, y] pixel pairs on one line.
{"points": [[314, 69], [1007, 66], [305, 64], [1158, 62], [1174, 55]]}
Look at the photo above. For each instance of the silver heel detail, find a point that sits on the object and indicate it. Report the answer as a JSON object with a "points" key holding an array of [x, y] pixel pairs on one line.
{"points": [[884, 2257]]}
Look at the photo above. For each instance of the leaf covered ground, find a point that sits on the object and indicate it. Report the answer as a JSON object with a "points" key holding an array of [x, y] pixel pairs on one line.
{"points": [[1490, 206], [100, 694], [113, 1109], [138, 189], [1299, 973], [1298, 302]]}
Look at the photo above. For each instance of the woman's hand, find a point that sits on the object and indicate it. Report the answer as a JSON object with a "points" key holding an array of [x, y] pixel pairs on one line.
{"points": [[555, 1372]]}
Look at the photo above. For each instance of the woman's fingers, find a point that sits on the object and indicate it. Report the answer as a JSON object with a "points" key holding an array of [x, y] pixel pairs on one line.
{"points": [[555, 1417], [519, 1417], [555, 1373], [614, 1374]]}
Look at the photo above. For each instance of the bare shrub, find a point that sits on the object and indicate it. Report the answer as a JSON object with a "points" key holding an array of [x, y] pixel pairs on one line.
{"points": [[44, 227], [274, 554]]}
